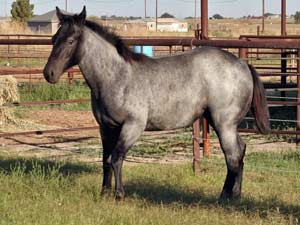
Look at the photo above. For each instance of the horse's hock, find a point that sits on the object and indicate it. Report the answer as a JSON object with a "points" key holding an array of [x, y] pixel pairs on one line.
{"points": [[8, 94]]}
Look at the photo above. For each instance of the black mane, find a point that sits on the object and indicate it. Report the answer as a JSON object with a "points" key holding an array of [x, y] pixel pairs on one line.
{"points": [[116, 41]]}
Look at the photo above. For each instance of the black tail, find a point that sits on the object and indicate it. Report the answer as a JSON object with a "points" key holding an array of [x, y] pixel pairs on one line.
{"points": [[259, 104]]}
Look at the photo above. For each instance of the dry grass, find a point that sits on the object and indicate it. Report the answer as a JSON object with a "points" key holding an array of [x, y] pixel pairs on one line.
{"points": [[233, 28], [8, 90], [230, 28], [8, 94], [14, 28], [225, 28]]}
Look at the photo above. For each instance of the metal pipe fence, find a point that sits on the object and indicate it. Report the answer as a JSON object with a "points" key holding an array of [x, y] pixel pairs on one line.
{"points": [[247, 47]]}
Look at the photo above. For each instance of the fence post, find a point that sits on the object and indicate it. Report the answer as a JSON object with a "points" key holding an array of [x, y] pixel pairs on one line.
{"points": [[8, 51], [205, 137], [298, 96], [243, 54], [70, 77], [170, 50], [283, 70], [196, 147]]}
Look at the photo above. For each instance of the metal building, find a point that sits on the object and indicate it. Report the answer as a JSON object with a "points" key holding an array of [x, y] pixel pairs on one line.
{"points": [[46, 23]]}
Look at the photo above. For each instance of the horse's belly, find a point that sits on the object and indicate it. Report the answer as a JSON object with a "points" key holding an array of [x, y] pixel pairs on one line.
{"points": [[166, 119]]}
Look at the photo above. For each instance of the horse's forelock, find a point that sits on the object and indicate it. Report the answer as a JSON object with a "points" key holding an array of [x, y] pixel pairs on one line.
{"points": [[66, 29]]}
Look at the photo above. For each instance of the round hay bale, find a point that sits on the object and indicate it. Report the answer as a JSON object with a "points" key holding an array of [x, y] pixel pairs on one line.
{"points": [[8, 121], [8, 94], [8, 90]]}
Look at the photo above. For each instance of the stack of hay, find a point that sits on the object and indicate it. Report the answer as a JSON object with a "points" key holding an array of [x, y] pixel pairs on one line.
{"points": [[8, 94]]}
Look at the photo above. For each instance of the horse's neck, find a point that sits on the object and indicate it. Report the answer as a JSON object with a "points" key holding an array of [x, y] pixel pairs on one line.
{"points": [[100, 62]]}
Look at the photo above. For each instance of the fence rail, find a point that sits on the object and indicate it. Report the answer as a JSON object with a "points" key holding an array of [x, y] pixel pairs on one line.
{"points": [[242, 43], [287, 48]]}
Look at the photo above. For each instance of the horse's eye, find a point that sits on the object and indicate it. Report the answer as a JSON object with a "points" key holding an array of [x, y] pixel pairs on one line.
{"points": [[71, 42]]}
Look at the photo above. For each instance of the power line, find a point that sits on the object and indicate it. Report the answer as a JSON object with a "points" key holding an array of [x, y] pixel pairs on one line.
{"points": [[43, 2], [111, 2], [217, 2]]}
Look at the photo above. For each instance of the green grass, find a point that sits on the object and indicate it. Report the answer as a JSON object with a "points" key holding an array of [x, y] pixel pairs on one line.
{"points": [[60, 91], [29, 62], [45, 192]]}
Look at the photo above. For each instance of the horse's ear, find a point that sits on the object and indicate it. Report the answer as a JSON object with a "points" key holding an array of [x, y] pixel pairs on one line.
{"points": [[80, 19], [59, 15]]}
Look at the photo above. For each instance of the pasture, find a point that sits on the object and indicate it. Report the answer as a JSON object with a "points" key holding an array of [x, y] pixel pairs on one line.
{"points": [[39, 191]]}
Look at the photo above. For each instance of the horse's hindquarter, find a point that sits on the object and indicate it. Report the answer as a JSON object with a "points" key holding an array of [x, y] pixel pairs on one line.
{"points": [[229, 84]]}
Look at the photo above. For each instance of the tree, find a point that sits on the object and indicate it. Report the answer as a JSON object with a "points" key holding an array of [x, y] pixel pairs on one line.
{"points": [[21, 10], [166, 15], [269, 14], [297, 17], [217, 17]]}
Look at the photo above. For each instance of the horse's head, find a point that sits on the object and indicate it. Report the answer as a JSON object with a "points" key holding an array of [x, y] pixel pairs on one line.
{"points": [[65, 42]]}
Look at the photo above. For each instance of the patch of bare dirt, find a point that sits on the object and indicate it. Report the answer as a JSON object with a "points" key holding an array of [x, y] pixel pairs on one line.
{"points": [[85, 146], [62, 118]]}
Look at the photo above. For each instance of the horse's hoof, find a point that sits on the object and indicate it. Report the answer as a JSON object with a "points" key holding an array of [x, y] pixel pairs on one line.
{"points": [[119, 196], [105, 192], [228, 197]]}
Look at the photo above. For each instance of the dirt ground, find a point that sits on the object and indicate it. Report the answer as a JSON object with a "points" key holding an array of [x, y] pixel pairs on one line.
{"points": [[85, 146]]}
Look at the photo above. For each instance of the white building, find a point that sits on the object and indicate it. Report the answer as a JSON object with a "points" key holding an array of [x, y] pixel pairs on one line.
{"points": [[167, 25]]}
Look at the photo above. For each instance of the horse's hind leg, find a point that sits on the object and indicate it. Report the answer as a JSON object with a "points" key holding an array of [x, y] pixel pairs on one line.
{"points": [[234, 151]]}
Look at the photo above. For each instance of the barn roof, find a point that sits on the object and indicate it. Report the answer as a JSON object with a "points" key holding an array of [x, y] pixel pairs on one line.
{"points": [[47, 17]]}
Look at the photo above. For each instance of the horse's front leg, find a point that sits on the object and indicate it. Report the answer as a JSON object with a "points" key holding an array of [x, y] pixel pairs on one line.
{"points": [[109, 140], [130, 132]]}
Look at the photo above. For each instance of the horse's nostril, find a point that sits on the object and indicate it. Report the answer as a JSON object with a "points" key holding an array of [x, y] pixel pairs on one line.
{"points": [[52, 74]]}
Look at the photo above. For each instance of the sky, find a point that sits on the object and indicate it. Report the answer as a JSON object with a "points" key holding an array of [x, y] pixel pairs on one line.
{"points": [[178, 8]]}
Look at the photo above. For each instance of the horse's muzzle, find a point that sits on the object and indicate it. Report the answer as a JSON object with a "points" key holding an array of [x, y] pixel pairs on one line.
{"points": [[50, 75]]}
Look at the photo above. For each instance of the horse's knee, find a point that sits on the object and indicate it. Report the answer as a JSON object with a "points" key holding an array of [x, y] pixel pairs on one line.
{"points": [[234, 150], [234, 155], [234, 163]]}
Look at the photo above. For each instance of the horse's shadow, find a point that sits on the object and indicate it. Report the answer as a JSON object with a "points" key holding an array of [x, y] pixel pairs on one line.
{"points": [[167, 194], [51, 144]]}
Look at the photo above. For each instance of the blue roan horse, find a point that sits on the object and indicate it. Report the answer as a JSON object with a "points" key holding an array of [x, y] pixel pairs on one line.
{"points": [[132, 93]]}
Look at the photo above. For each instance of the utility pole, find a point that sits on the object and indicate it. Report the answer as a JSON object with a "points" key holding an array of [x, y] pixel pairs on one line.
{"points": [[145, 9], [283, 17], [156, 16], [5, 8], [66, 5], [204, 19], [195, 18], [263, 17]]}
